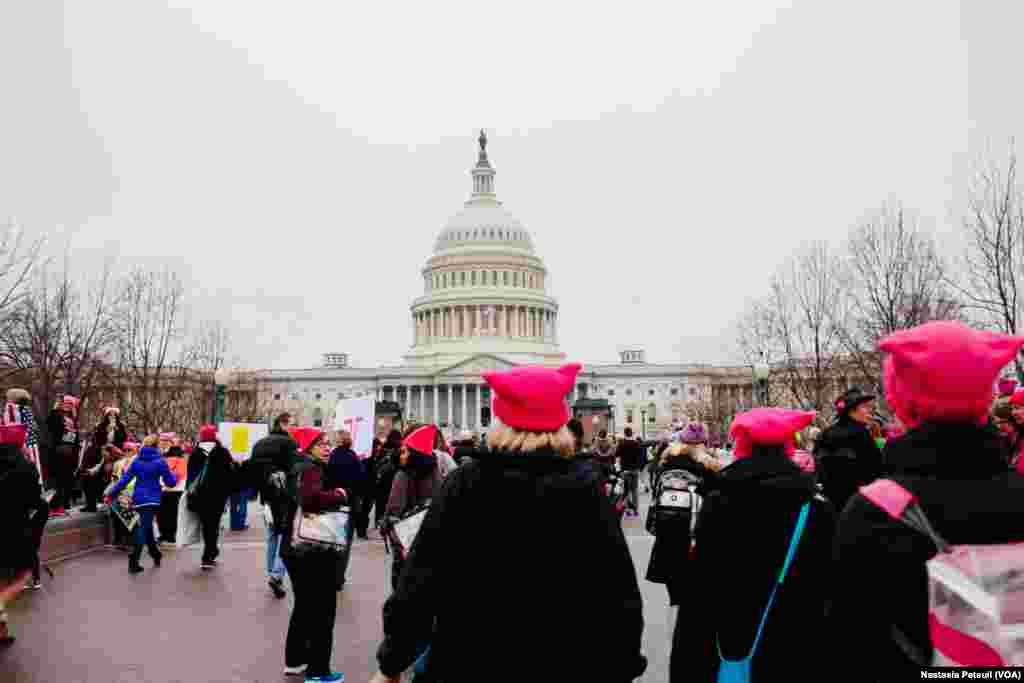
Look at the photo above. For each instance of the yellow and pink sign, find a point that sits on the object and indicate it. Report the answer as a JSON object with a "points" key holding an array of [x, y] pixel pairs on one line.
{"points": [[240, 437]]}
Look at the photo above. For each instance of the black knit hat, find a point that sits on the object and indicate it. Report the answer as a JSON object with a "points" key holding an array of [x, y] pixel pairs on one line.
{"points": [[853, 397]]}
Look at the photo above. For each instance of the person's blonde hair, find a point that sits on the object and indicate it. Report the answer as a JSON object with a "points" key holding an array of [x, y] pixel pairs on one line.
{"points": [[509, 439], [151, 440], [696, 452]]}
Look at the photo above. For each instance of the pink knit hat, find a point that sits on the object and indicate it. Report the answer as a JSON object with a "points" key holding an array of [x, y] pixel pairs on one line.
{"points": [[767, 427], [422, 440], [207, 434], [533, 399], [944, 371]]}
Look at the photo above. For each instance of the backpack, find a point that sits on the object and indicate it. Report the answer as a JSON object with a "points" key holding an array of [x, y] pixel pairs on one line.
{"points": [[975, 592], [675, 501]]}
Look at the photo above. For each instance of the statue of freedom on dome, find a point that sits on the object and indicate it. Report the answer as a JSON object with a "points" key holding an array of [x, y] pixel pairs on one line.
{"points": [[483, 141]]}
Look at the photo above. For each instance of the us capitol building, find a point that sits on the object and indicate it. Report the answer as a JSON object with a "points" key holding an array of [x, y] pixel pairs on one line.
{"points": [[485, 306]]}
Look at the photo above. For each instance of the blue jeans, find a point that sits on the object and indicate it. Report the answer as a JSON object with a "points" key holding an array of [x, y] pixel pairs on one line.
{"points": [[275, 566], [239, 510], [143, 534]]}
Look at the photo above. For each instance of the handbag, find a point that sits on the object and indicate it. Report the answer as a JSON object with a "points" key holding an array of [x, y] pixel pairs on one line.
{"points": [[400, 533], [324, 531], [194, 489], [738, 670]]}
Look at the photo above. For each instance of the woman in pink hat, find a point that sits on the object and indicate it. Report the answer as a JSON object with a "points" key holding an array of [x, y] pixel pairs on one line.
{"points": [[502, 577], [761, 527], [62, 425], [938, 380]]}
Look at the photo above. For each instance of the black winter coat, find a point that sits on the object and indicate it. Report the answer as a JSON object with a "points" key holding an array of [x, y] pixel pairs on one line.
{"points": [[957, 473], [20, 496], [670, 554], [846, 459], [741, 541], [632, 455], [221, 478], [543, 544]]}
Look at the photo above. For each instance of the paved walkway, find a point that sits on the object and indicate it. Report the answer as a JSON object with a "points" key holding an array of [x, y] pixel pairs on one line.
{"points": [[93, 623]]}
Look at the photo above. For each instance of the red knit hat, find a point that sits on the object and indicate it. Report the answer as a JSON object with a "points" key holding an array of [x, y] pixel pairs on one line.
{"points": [[768, 427], [532, 399], [944, 370], [422, 440], [207, 433], [305, 436], [13, 434]]}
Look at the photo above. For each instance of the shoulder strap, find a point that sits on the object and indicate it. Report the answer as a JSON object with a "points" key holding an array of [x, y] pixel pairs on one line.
{"points": [[794, 541]]}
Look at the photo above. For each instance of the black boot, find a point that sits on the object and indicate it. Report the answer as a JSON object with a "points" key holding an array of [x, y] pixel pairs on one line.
{"points": [[133, 560], [155, 553]]}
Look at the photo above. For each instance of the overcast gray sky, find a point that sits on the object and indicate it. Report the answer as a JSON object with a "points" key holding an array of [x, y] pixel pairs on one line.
{"points": [[297, 160]]}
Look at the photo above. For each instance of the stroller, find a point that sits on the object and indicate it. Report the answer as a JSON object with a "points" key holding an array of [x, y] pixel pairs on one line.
{"points": [[614, 489]]}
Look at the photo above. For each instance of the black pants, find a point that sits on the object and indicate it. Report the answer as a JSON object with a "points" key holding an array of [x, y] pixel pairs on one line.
{"points": [[38, 523], [63, 463], [361, 518], [93, 487], [209, 520], [311, 629], [167, 518]]}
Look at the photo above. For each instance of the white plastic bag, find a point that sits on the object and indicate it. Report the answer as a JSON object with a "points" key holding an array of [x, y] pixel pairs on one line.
{"points": [[189, 531]]}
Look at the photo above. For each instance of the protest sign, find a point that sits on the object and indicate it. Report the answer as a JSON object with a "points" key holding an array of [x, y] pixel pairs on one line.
{"points": [[240, 437], [355, 415]]}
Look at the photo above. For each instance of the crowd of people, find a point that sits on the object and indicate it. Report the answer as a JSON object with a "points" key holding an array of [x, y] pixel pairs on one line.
{"points": [[774, 550]]}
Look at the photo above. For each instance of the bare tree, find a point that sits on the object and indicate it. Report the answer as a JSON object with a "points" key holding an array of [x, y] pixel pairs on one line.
{"points": [[20, 257], [993, 273], [807, 312], [153, 361], [898, 280], [59, 336]]}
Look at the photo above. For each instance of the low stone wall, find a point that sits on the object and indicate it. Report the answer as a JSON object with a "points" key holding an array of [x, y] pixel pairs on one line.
{"points": [[66, 536]]}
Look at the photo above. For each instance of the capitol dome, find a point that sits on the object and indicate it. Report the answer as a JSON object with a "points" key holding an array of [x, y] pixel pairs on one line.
{"points": [[484, 286]]}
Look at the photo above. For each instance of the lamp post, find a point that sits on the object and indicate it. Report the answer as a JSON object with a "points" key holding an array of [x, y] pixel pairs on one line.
{"points": [[643, 422], [761, 372], [220, 380]]}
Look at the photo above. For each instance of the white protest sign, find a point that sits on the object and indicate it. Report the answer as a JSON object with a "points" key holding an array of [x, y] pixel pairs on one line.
{"points": [[240, 437], [355, 415]]}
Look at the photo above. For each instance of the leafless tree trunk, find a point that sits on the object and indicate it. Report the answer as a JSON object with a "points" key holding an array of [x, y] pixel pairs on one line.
{"points": [[60, 336], [20, 257], [993, 272], [898, 281], [807, 308], [153, 360]]}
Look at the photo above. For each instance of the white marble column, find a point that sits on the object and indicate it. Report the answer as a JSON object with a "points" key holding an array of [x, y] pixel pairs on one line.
{"points": [[462, 322], [435, 411], [450, 387], [464, 407], [408, 399]]}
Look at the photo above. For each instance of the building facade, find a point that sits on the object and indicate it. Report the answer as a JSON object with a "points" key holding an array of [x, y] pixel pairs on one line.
{"points": [[485, 306]]}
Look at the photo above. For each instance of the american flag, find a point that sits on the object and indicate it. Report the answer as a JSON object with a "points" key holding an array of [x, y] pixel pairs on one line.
{"points": [[22, 415]]}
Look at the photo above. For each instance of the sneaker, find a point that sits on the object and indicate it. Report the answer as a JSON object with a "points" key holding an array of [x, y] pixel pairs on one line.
{"points": [[34, 585], [333, 677], [295, 670], [277, 585], [208, 564]]}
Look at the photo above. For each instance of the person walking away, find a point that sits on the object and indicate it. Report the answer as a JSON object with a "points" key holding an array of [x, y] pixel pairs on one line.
{"points": [[582, 456], [167, 519], [445, 461], [632, 459], [938, 380], [211, 480], [496, 515], [272, 459], [20, 505], [62, 425], [345, 471], [147, 471], [466, 450], [846, 454], [690, 461], [604, 455], [368, 495], [765, 537], [416, 483], [311, 628]]}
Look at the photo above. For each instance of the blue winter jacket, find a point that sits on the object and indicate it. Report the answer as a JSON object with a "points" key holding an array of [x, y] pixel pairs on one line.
{"points": [[147, 470]]}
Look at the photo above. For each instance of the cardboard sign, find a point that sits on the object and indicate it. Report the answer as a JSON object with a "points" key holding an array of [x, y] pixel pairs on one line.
{"points": [[355, 415], [239, 438]]}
